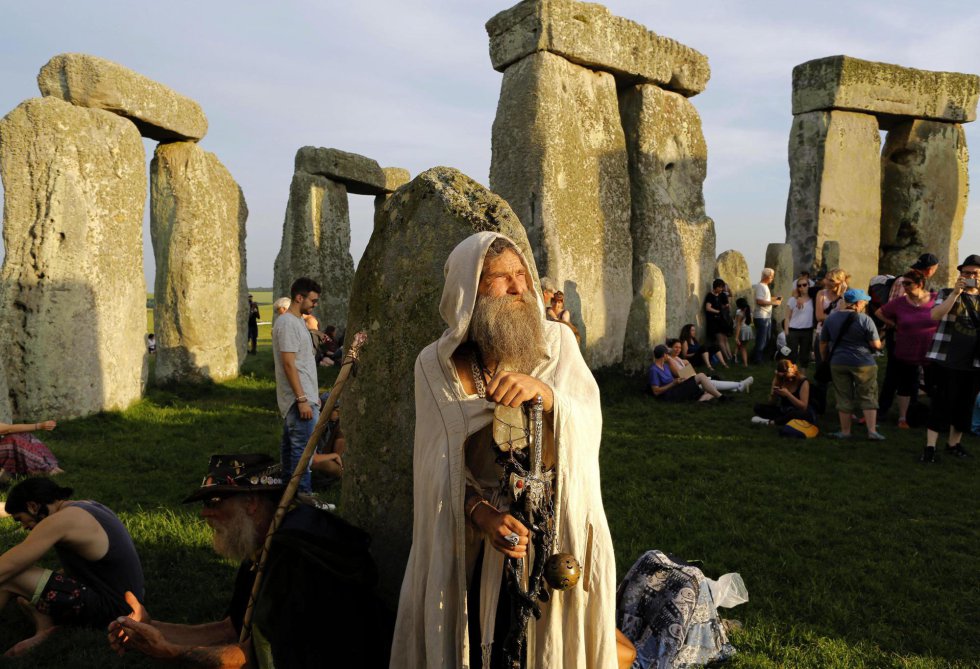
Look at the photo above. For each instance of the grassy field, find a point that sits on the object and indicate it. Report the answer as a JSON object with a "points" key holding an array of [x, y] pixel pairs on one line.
{"points": [[854, 555]]}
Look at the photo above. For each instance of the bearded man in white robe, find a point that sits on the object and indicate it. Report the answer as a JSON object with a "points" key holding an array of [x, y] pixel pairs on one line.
{"points": [[499, 350]]}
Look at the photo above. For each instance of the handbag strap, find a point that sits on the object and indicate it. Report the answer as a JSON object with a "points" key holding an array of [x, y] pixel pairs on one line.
{"points": [[850, 319]]}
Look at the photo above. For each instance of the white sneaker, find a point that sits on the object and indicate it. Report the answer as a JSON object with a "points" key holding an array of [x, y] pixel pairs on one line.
{"points": [[747, 384], [759, 420]]}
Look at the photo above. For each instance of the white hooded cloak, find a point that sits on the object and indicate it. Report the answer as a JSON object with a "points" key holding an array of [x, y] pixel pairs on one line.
{"points": [[577, 627]]}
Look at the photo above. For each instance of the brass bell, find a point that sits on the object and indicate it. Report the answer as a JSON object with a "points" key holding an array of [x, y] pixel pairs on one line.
{"points": [[562, 571]]}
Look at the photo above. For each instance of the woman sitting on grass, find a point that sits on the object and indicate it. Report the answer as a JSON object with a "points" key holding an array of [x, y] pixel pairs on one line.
{"points": [[697, 354], [666, 384], [789, 398], [23, 454]]}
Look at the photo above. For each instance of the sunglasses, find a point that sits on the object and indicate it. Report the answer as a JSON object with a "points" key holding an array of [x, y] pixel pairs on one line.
{"points": [[909, 283], [802, 285]]}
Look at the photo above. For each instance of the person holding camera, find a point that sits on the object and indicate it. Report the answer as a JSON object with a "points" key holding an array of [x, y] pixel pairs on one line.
{"points": [[956, 371]]}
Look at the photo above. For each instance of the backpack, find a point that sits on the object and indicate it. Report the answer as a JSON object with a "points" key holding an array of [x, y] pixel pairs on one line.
{"points": [[879, 289], [665, 607], [799, 429]]}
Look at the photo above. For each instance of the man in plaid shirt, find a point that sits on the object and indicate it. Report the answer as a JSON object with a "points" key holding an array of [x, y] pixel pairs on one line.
{"points": [[954, 355]]}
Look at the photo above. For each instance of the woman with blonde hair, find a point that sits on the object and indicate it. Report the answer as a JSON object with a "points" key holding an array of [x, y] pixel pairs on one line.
{"points": [[789, 397], [827, 301]]}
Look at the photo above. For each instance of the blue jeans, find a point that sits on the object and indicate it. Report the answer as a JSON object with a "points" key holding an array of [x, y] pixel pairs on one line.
{"points": [[763, 328], [296, 433]]}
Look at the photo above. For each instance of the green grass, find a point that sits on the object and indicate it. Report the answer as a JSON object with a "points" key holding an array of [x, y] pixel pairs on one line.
{"points": [[854, 555]]}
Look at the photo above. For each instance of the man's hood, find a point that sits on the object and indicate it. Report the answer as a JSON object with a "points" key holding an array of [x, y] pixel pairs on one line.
{"points": [[462, 271]]}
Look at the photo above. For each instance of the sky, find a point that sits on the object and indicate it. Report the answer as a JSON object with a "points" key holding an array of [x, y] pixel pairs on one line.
{"points": [[409, 84]]}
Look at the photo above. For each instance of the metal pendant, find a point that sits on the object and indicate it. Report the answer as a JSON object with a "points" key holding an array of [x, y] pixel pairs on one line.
{"points": [[562, 571], [510, 428]]}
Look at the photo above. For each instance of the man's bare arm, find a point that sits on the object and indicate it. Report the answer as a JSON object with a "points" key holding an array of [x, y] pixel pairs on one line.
{"points": [[38, 542]]}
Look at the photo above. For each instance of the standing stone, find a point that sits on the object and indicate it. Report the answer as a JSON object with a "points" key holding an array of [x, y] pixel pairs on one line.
{"points": [[780, 258], [88, 81], [835, 190], [336, 263], [6, 415], [647, 325], [73, 296], [399, 281], [731, 267], [361, 175], [668, 164], [559, 159], [197, 224], [830, 256], [923, 196], [299, 251]]}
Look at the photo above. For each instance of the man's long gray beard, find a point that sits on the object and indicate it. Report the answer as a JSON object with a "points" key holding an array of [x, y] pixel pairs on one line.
{"points": [[236, 538], [510, 330]]}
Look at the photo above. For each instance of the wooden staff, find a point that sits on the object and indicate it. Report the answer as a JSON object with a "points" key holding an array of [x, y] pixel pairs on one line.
{"points": [[290, 493]]}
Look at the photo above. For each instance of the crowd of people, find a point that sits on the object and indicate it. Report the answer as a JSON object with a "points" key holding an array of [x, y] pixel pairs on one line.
{"points": [[928, 336]]}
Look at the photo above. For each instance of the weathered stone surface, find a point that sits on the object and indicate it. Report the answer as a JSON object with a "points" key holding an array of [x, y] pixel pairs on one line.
{"points": [[89, 81], [780, 258], [399, 280], [316, 244], [732, 267], [395, 178], [842, 82], [361, 176], [559, 159], [923, 196], [589, 35], [647, 325], [835, 190], [668, 161], [336, 262], [6, 415], [197, 224], [72, 294], [829, 256]]}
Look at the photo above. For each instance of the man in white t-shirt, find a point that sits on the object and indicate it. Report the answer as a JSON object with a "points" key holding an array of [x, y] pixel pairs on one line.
{"points": [[762, 313], [297, 388]]}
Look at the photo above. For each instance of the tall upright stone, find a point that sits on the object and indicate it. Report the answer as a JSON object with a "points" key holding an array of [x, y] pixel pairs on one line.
{"points": [[835, 190], [647, 324], [74, 187], [779, 257], [731, 267], [400, 280], [924, 187], [197, 224], [336, 262], [829, 255], [559, 159], [299, 253], [668, 163]]}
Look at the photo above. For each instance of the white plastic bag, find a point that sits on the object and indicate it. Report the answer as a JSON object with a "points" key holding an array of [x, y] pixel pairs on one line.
{"points": [[728, 591]]}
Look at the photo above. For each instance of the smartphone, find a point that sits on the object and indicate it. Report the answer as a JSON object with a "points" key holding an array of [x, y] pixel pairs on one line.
{"points": [[970, 283]]}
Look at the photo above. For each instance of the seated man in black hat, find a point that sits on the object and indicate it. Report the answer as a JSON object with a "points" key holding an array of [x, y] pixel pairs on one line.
{"points": [[317, 595]]}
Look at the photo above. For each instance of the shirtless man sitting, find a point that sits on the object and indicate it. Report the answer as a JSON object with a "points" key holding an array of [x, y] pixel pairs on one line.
{"points": [[97, 555]]}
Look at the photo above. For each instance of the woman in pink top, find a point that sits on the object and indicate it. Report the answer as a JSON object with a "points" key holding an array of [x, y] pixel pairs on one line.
{"points": [[914, 329]]}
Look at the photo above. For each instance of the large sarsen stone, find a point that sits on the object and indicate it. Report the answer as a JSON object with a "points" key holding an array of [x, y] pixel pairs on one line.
{"points": [[89, 81], [559, 159], [588, 34], [72, 292], [197, 223]]}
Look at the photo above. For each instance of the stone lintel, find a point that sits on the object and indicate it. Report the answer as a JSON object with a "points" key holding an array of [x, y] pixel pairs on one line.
{"points": [[361, 175], [158, 111], [887, 91], [589, 35]]}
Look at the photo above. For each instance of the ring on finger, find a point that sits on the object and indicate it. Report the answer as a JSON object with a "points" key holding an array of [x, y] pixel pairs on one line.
{"points": [[512, 539]]}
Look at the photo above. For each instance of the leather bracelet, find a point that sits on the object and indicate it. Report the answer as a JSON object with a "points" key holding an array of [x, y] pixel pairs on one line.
{"points": [[478, 504]]}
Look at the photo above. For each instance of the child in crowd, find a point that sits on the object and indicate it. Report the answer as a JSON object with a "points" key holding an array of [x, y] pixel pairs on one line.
{"points": [[743, 329]]}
